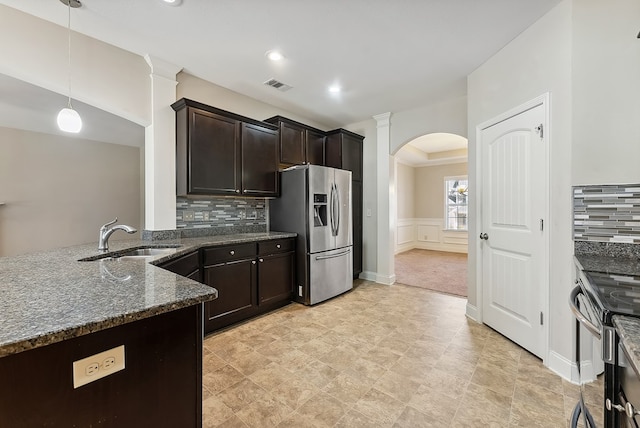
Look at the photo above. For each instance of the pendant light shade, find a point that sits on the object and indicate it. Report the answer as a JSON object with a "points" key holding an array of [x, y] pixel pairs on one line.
{"points": [[68, 119]]}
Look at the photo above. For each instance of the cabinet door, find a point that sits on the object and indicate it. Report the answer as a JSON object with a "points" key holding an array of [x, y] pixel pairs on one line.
{"points": [[291, 144], [236, 285], [213, 154], [259, 161], [352, 156], [315, 147], [184, 265], [275, 277]]}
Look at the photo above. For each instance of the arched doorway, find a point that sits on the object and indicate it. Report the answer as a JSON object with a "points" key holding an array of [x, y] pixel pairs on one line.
{"points": [[431, 185]]}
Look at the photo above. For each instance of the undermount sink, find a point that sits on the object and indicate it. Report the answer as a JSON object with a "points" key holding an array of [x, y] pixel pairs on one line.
{"points": [[133, 253], [146, 252]]}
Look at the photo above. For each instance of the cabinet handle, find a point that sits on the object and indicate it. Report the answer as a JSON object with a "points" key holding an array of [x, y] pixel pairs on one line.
{"points": [[237, 190], [261, 260], [278, 246], [253, 262], [232, 252]]}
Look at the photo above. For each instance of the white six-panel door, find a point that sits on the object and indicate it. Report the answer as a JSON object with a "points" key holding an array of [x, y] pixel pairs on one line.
{"points": [[513, 207]]}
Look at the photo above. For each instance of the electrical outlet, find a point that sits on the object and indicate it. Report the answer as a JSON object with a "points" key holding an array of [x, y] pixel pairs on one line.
{"points": [[205, 215], [188, 215], [98, 366], [300, 290]]}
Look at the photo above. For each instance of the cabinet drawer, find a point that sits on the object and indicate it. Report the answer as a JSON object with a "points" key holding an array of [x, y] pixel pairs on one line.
{"points": [[215, 255], [275, 246], [184, 265]]}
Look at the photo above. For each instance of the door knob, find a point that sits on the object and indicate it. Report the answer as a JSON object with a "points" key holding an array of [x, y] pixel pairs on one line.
{"points": [[484, 236]]}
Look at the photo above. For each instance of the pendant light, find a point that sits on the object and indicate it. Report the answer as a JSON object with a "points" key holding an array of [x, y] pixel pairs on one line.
{"points": [[68, 119]]}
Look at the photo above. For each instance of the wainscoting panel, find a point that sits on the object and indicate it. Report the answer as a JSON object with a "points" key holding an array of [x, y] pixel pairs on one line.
{"points": [[429, 234]]}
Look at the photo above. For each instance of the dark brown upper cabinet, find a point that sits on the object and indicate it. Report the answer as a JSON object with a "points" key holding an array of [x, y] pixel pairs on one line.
{"points": [[299, 143], [222, 153], [344, 151]]}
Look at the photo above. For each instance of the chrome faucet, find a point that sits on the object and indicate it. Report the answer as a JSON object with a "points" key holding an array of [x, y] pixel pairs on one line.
{"points": [[106, 231]]}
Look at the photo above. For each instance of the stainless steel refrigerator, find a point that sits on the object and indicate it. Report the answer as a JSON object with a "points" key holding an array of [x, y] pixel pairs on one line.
{"points": [[315, 203]]}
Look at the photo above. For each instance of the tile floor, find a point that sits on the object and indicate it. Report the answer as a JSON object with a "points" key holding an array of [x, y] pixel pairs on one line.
{"points": [[379, 356]]}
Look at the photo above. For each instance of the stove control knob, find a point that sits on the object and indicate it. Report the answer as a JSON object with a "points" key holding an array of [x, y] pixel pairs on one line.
{"points": [[630, 410]]}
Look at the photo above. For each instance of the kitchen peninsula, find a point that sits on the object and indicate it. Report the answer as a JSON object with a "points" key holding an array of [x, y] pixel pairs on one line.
{"points": [[56, 310]]}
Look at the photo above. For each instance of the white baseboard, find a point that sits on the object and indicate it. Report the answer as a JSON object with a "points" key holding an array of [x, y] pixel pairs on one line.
{"points": [[451, 248], [386, 279], [568, 369], [472, 311], [376, 277], [404, 247], [368, 276]]}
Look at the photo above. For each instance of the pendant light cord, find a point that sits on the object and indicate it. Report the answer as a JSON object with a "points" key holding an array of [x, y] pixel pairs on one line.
{"points": [[69, 46]]}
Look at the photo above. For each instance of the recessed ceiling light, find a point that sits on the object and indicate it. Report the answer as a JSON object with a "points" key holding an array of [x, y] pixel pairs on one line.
{"points": [[274, 55], [173, 2], [335, 89]]}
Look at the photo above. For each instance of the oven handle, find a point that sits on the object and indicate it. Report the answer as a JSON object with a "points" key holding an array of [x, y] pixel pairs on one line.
{"points": [[573, 297]]}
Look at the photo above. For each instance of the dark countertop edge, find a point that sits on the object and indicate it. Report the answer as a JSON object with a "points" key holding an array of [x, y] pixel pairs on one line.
{"points": [[628, 329], [70, 333], [187, 245]]}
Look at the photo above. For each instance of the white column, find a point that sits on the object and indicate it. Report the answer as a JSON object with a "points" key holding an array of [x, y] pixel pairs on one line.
{"points": [[386, 195], [160, 148]]}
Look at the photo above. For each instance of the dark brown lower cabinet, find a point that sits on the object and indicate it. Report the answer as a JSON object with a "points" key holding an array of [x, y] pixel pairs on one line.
{"points": [[236, 282], [187, 265], [251, 279], [276, 277], [160, 386]]}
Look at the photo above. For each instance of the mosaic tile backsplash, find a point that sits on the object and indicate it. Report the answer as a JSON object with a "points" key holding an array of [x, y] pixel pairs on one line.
{"points": [[222, 214], [607, 213]]}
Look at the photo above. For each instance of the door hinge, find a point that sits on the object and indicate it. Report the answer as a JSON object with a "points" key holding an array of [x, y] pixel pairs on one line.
{"points": [[541, 224], [541, 319], [540, 130]]}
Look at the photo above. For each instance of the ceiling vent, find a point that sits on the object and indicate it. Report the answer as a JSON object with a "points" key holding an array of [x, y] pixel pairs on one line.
{"points": [[282, 87]]}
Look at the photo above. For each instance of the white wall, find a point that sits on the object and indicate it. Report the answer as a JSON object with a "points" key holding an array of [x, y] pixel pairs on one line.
{"points": [[104, 76], [429, 188], [406, 190], [58, 191], [420, 202], [209, 93], [445, 116], [606, 92], [537, 61]]}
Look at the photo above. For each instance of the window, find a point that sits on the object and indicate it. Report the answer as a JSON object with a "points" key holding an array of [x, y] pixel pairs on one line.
{"points": [[456, 191]]}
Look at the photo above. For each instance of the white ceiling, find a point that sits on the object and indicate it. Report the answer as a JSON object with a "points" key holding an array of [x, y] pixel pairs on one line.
{"points": [[25, 106], [387, 55], [432, 149]]}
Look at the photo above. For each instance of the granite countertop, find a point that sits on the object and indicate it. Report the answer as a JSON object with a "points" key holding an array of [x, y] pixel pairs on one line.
{"points": [[608, 264], [628, 329], [50, 296]]}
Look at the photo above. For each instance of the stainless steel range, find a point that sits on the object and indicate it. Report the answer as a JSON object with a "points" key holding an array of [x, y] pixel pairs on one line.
{"points": [[596, 299]]}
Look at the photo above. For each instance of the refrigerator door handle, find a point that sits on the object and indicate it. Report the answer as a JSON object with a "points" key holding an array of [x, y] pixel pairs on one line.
{"points": [[332, 256], [337, 209], [332, 209]]}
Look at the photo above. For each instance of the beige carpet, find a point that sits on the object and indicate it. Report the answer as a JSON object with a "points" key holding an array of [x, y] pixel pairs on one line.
{"points": [[435, 270]]}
